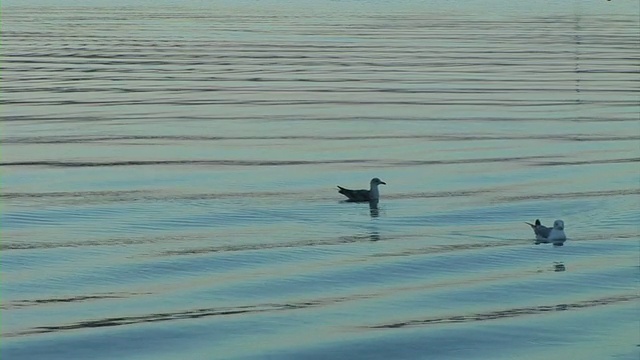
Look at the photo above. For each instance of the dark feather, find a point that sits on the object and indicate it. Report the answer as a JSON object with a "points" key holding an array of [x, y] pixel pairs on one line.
{"points": [[539, 229], [355, 195]]}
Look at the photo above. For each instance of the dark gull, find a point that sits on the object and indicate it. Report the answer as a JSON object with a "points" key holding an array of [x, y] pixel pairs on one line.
{"points": [[363, 195]]}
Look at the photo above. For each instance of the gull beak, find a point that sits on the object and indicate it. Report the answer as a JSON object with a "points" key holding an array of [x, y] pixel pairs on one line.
{"points": [[383, 183]]}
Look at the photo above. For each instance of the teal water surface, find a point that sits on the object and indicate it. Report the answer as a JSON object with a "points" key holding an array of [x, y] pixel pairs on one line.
{"points": [[169, 172]]}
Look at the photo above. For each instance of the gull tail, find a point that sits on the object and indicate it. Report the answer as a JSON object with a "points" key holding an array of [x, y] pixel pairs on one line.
{"points": [[533, 225]]}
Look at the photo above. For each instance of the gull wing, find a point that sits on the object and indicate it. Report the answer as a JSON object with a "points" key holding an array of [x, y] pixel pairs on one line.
{"points": [[354, 195], [540, 230]]}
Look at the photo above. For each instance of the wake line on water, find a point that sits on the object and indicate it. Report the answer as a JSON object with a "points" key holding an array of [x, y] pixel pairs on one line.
{"points": [[208, 102], [509, 313], [349, 239], [181, 138], [147, 195], [72, 299], [188, 314], [379, 163], [279, 118], [74, 164], [589, 162], [265, 308], [77, 164]]}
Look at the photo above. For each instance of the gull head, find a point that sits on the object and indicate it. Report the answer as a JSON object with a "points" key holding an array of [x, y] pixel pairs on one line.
{"points": [[558, 224], [376, 182]]}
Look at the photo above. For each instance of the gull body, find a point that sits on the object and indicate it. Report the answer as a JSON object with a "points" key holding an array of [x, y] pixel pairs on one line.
{"points": [[373, 194], [553, 234]]}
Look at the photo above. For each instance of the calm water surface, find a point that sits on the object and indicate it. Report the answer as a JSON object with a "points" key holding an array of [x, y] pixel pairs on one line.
{"points": [[169, 172]]}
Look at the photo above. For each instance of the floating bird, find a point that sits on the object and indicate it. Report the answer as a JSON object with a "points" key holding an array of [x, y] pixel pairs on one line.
{"points": [[545, 234], [363, 195]]}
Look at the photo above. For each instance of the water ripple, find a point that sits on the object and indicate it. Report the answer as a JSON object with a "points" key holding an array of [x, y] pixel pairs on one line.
{"points": [[510, 313]]}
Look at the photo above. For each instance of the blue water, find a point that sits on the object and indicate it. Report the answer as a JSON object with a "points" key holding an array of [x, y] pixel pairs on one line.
{"points": [[169, 172]]}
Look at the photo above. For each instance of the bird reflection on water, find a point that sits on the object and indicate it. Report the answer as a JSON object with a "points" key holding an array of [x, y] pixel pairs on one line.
{"points": [[373, 209], [559, 267], [374, 235]]}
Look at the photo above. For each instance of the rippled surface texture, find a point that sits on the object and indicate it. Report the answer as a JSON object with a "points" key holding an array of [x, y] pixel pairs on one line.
{"points": [[169, 172]]}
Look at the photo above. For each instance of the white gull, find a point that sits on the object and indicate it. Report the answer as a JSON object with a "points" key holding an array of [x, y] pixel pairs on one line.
{"points": [[545, 234]]}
